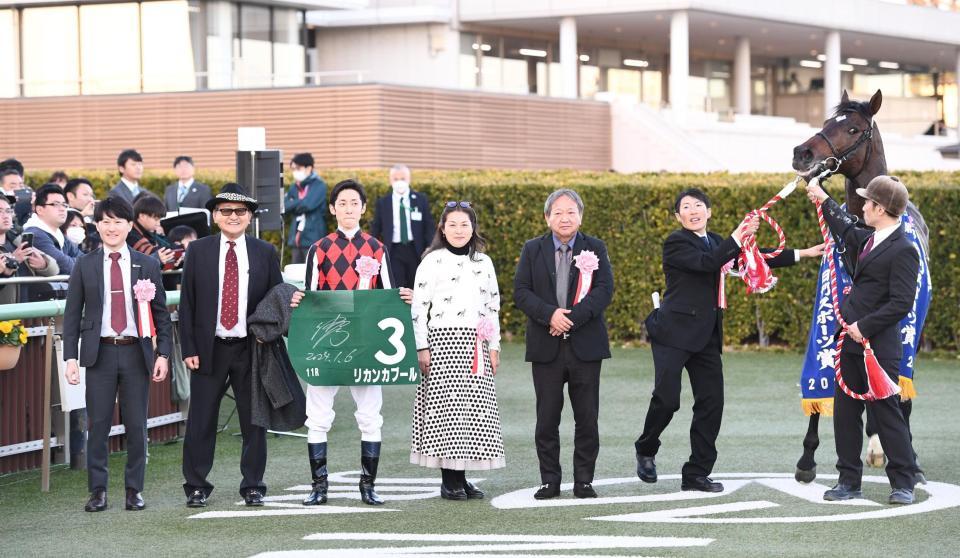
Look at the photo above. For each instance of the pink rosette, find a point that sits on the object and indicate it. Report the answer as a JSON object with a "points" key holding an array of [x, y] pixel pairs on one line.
{"points": [[367, 269], [145, 291], [485, 330], [587, 262]]}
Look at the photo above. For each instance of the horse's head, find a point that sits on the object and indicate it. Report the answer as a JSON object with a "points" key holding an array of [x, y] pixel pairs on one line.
{"points": [[844, 143]]}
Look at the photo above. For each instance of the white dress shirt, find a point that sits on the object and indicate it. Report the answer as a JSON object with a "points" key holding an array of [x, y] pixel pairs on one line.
{"points": [[243, 267], [396, 217], [106, 328], [183, 187], [882, 234], [134, 187]]}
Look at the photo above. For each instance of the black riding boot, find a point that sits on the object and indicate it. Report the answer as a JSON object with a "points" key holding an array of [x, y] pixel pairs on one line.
{"points": [[318, 469], [369, 459]]}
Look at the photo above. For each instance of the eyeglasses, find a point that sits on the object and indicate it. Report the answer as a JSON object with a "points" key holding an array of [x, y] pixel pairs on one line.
{"points": [[58, 205], [452, 204], [8, 211], [238, 211]]}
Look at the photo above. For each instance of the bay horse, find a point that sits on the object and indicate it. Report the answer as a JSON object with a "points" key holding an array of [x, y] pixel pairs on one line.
{"points": [[850, 145]]}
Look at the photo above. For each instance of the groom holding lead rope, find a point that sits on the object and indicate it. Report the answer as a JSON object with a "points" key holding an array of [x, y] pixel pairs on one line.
{"points": [[884, 284]]}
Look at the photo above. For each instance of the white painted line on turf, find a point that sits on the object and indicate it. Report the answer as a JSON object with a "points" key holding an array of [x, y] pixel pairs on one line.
{"points": [[295, 510], [353, 487], [671, 516], [363, 553]]}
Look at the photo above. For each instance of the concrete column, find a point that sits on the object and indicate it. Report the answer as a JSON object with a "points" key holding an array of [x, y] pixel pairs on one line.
{"points": [[741, 77], [831, 73], [679, 61], [569, 58]]}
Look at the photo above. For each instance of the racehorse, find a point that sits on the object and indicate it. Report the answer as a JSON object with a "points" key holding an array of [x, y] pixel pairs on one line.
{"points": [[849, 144]]}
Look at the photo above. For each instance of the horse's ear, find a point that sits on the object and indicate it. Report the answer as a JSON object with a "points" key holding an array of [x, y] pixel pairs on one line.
{"points": [[875, 102], [844, 98]]}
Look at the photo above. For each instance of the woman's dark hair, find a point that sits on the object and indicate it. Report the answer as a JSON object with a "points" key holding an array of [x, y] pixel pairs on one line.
{"points": [[115, 207], [693, 193], [149, 205], [476, 243], [348, 184], [72, 215]]}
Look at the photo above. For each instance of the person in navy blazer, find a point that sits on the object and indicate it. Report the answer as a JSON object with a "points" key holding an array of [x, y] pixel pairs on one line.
{"points": [[195, 194], [566, 339], [118, 358], [218, 354], [405, 253], [687, 332], [130, 168], [884, 286]]}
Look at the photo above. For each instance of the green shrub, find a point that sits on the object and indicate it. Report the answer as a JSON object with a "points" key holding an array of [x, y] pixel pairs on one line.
{"points": [[633, 214]]}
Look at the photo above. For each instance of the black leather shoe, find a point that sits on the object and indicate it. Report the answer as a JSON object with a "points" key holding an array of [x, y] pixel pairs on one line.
{"points": [[702, 484], [646, 468], [584, 490], [134, 500], [197, 499], [472, 491], [97, 501], [842, 492], [253, 497], [548, 490], [455, 494], [901, 496]]}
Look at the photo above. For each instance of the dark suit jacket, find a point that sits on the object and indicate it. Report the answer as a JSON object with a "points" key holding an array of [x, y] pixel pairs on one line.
{"points": [[84, 310], [199, 294], [120, 189], [688, 313], [884, 283], [197, 195], [422, 230], [535, 294]]}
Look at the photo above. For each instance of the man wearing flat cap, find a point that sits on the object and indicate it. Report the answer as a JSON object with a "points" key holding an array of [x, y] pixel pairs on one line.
{"points": [[884, 271], [219, 292]]}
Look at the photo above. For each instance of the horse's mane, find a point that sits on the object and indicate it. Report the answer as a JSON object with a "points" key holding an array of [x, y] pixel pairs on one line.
{"points": [[860, 107]]}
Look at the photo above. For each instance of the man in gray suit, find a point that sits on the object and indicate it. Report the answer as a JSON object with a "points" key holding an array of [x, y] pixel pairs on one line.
{"points": [[185, 192], [117, 348], [130, 166]]}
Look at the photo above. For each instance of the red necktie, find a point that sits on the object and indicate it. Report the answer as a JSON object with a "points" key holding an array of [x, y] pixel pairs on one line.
{"points": [[231, 285], [866, 248], [118, 304]]}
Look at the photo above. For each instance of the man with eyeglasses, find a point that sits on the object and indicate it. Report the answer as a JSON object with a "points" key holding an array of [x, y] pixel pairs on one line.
{"points": [[49, 213], [225, 276], [16, 258]]}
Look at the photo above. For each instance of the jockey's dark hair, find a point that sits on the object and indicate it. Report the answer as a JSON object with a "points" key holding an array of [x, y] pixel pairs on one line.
{"points": [[693, 193]]}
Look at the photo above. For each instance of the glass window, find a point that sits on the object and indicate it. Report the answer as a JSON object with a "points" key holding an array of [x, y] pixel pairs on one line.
{"points": [[9, 58], [110, 48], [491, 64], [222, 28], [50, 60], [652, 87], [167, 49], [289, 62], [254, 68], [468, 61]]}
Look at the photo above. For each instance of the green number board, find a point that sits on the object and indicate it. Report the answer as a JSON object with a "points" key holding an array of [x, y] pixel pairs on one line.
{"points": [[349, 338]]}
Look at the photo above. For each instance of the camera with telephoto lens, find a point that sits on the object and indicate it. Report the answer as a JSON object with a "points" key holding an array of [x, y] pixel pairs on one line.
{"points": [[9, 261]]}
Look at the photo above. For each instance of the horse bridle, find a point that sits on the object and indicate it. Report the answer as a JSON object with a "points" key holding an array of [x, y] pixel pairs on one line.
{"points": [[840, 158]]}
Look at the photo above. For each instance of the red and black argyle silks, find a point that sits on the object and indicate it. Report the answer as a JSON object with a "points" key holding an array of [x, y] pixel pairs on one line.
{"points": [[336, 257]]}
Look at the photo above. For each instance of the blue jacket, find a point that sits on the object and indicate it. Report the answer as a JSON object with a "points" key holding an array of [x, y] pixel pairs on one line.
{"points": [[46, 243], [312, 207]]}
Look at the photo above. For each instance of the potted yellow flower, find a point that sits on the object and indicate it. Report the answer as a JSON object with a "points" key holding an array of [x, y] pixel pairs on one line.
{"points": [[12, 336]]}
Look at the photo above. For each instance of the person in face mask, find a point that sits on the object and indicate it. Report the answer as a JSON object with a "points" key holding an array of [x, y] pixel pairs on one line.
{"points": [[402, 221], [304, 202], [74, 230]]}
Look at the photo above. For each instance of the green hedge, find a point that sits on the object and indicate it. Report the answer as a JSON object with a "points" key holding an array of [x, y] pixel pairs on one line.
{"points": [[633, 214]]}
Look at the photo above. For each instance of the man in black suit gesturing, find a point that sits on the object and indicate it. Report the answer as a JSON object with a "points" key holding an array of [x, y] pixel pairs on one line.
{"points": [[884, 285], [224, 278], [563, 284], [687, 332], [117, 351], [403, 223]]}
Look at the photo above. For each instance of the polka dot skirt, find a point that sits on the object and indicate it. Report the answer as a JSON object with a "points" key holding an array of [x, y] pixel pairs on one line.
{"points": [[456, 422]]}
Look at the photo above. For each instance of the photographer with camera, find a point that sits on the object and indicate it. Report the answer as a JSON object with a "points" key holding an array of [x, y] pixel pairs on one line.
{"points": [[18, 257]]}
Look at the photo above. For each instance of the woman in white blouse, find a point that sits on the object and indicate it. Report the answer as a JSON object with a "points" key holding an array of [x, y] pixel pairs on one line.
{"points": [[456, 305]]}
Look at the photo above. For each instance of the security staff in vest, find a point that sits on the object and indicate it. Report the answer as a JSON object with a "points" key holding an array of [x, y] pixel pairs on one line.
{"points": [[402, 221]]}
